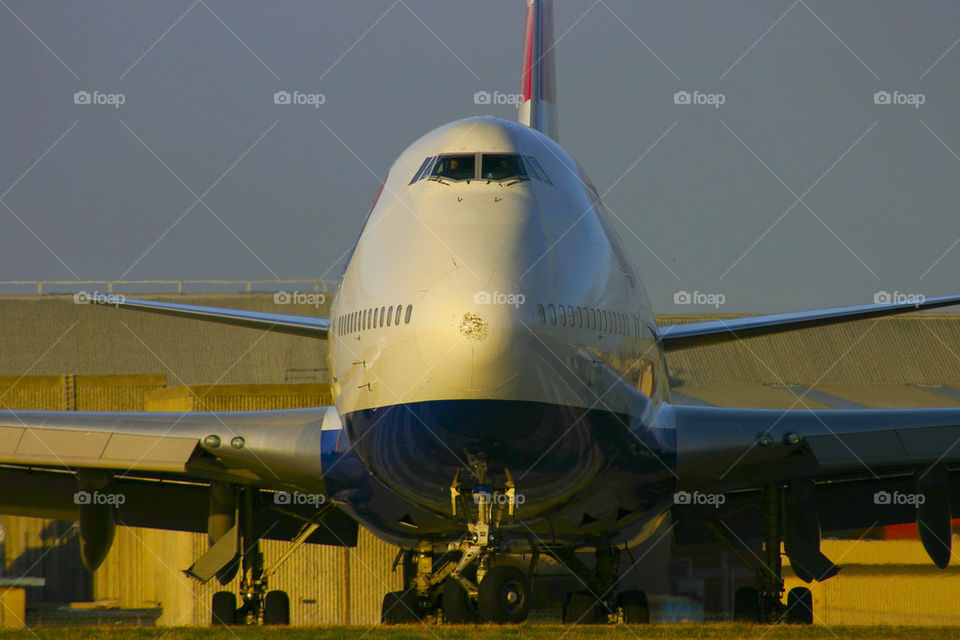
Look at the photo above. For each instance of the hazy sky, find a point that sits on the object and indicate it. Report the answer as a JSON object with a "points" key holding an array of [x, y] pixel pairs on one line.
{"points": [[798, 191]]}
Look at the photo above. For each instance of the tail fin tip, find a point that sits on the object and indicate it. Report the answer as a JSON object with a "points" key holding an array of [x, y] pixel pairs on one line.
{"points": [[538, 108]]}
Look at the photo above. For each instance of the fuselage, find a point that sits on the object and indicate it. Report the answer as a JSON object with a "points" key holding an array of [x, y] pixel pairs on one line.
{"points": [[488, 312]]}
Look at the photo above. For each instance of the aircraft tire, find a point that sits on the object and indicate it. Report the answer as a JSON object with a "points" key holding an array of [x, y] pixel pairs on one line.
{"points": [[799, 606], [224, 608], [458, 606], [746, 605], [581, 607], [399, 607], [276, 608], [504, 595], [635, 608]]}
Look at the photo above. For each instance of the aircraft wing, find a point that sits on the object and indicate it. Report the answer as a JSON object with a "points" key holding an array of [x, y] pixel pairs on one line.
{"points": [[841, 469], [696, 334], [280, 322], [279, 449], [747, 447], [164, 463]]}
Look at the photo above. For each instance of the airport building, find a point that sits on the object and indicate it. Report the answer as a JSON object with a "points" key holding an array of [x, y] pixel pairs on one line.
{"points": [[59, 353]]}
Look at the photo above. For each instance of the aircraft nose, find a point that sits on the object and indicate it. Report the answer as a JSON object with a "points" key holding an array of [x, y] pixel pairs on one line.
{"points": [[471, 329]]}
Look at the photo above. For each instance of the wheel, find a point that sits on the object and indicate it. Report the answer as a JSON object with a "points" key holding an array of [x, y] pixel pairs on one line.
{"points": [[504, 595], [458, 606], [799, 606], [746, 605], [633, 602], [399, 607], [771, 609], [581, 607], [224, 610], [276, 608]]}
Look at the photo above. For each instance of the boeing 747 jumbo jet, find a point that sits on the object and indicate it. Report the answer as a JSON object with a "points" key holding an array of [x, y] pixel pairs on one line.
{"points": [[501, 390]]}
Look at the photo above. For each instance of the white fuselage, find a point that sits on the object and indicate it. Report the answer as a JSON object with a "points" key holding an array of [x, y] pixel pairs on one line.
{"points": [[443, 249], [505, 301]]}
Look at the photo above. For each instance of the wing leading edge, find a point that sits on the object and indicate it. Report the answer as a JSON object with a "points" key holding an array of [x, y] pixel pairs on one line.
{"points": [[280, 322], [695, 334]]}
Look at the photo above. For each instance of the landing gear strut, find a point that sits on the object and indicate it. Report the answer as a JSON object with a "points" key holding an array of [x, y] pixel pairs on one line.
{"points": [[764, 603], [598, 603], [240, 545], [471, 586], [468, 585]]}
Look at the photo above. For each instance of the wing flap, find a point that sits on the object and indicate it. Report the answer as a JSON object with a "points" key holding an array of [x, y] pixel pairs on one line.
{"points": [[95, 449], [849, 449]]}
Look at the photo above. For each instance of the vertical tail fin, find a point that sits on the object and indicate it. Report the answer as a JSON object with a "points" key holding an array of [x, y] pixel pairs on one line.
{"points": [[539, 82]]}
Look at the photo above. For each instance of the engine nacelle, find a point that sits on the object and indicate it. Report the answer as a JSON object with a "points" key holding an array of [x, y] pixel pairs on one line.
{"points": [[96, 516], [97, 530]]}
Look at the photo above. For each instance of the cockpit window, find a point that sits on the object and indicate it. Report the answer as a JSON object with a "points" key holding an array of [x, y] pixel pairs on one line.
{"points": [[424, 168], [456, 167], [536, 170], [507, 168], [502, 166]]}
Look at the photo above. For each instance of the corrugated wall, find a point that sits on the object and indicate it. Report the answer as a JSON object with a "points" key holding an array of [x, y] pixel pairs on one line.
{"points": [[106, 393], [883, 582], [145, 566], [50, 548], [918, 348], [326, 585], [51, 335], [32, 392], [239, 397]]}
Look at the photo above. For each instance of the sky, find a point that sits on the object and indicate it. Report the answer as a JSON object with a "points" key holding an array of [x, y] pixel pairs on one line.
{"points": [[765, 156]]}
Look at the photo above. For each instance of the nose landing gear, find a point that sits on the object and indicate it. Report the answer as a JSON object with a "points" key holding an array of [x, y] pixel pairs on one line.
{"points": [[473, 588]]}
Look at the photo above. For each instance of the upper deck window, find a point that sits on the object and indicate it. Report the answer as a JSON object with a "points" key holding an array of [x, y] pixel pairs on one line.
{"points": [[502, 166], [456, 167]]}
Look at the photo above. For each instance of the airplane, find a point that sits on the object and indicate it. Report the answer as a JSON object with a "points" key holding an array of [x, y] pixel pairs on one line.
{"points": [[501, 391]]}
